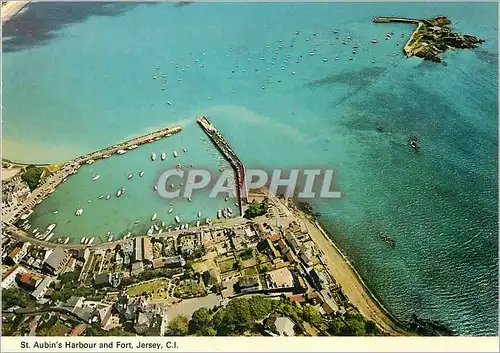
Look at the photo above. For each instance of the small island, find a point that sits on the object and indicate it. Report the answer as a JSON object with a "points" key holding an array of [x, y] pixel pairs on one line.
{"points": [[432, 37]]}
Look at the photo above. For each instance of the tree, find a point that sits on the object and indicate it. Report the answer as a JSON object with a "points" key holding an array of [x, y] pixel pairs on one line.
{"points": [[256, 209], [354, 326], [311, 315], [260, 307], [32, 176], [178, 326], [14, 296], [235, 318], [200, 320]]}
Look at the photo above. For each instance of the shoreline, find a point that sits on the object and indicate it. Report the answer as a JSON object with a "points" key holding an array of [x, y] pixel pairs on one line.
{"points": [[366, 288], [346, 275], [12, 8]]}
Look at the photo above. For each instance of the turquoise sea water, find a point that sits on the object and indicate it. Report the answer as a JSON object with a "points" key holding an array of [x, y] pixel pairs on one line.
{"points": [[78, 77]]}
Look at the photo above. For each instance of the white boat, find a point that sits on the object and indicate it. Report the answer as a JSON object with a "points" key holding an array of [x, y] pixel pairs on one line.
{"points": [[224, 212], [154, 216], [28, 226], [127, 235], [123, 191], [130, 176], [170, 210], [101, 197], [106, 155], [55, 212], [185, 150], [163, 156], [79, 212], [121, 151], [199, 214], [97, 176], [107, 197], [66, 241], [187, 226], [169, 103], [133, 147], [136, 222], [175, 154], [182, 226], [229, 211], [90, 161], [87, 241], [51, 227], [150, 230], [89, 201], [48, 237], [83, 240], [177, 228], [108, 233], [171, 186], [156, 227], [110, 238], [26, 215], [91, 241], [153, 156], [177, 219], [35, 230], [119, 193], [189, 199], [219, 214], [141, 173], [163, 224], [197, 223]]}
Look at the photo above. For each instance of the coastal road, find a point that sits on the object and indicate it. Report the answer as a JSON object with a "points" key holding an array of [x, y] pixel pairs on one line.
{"points": [[21, 235]]}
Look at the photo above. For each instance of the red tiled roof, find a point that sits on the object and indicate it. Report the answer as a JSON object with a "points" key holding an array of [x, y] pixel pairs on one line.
{"points": [[297, 298], [14, 252], [78, 330]]}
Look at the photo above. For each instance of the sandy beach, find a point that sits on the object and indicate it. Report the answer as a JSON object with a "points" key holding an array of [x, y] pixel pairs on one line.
{"points": [[343, 272], [12, 8], [352, 285]]}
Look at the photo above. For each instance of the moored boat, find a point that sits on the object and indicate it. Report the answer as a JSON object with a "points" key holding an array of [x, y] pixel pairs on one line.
{"points": [[163, 156], [130, 176], [79, 212], [96, 177], [83, 240], [141, 173], [155, 215], [119, 193], [121, 152], [153, 156], [170, 210], [177, 219], [175, 154], [91, 241], [101, 197]]}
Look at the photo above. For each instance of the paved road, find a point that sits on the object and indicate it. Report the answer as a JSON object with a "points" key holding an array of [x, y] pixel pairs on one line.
{"points": [[19, 234]]}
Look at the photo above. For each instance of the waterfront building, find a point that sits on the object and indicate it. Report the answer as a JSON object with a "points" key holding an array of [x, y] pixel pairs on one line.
{"points": [[56, 261]]}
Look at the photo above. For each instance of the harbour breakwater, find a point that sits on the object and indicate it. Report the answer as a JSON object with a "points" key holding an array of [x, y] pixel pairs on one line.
{"points": [[48, 185], [226, 150]]}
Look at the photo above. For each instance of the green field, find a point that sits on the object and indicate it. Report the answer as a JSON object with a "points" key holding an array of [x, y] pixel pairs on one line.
{"points": [[226, 266], [156, 289]]}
